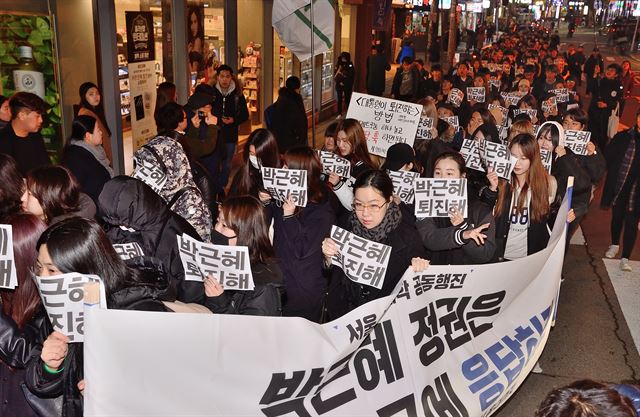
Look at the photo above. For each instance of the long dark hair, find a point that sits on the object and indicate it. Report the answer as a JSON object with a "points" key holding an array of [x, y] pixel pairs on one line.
{"points": [[12, 186], [249, 179], [246, 216], [99, 109], [166, 93], [80, 245], [22, 303], [55, 188], [305, 158], [81, 126]]}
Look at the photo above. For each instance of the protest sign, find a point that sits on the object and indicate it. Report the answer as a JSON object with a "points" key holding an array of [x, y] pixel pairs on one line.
{"points": [[577, 141], [498, 157], [453, 340], [511, 99], [424, 128], [63, 298], [476, 94], [547, 159], [536, 128], [8, 275], [332, 163], [230, 265], [403, 184], [470, 151], [151, 174], [452, 121], [550, 106], [286, 183], [362, 260], [128, 250], [455, 97], [561, 94], [503, 110], [529, 112], [437, 197], [385, 121], [503, 133], [494, 82]]}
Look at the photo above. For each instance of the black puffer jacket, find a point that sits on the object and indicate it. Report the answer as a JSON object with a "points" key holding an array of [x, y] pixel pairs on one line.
{"points": [[142, 293], [128, 202]]}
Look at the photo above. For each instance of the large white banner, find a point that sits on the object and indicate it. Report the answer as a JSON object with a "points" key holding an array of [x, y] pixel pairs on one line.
{"points": [[452, 341], [385, 121]]}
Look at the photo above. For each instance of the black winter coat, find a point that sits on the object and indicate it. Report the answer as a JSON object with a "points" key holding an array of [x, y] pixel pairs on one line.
{"points": [[569, 166], [126, 201], [231, 104], [15, 350], [264, 300], [289, 120], [344, 295], [614, 155], [88, 171], [298, 240], [377, 65]]}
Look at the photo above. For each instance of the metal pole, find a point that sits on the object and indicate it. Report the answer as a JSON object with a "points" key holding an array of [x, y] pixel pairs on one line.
{"points": [[499, 4], [633, 42], [313, 81]]}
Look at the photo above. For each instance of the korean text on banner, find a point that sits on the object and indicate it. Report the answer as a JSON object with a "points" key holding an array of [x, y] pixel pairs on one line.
{"points": [[458, 340], [8, 274], [230, 265], [385, 121]]}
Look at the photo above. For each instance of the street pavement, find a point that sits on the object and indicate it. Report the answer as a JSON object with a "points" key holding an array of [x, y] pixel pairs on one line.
{"points": [[599, 309]]}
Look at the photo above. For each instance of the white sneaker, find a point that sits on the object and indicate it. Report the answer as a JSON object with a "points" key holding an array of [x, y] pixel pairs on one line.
{"points": [[612, 251], [624, 265]]}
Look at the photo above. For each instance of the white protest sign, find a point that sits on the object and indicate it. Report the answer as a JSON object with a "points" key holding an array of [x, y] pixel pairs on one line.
{"points": [[332, 163], [149, 173], [502, 110], [455, 97], [561, 94], [63, 298], [362, 260], [385, 121], [128, 250], [458, 340], [452, 121], [494, 82], [503, 132], [511, 99], [437, 197], [8, 274], [286, 183], [476, 94], [403, 184], [547, 159], [498, 157], [536, 128], [230, 265], [529, 112], [424, 128], [577, 141], [550, 105], [470, 151]]}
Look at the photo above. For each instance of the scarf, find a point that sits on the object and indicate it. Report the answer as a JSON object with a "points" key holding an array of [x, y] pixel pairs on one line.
{"points": [[390, 222], [97, 152]]}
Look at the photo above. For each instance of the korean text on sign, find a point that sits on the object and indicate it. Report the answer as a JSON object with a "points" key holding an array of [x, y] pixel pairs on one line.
{"points": [[230, 265], [8, 275], [362, 260], [283, 184], [476, 94], [547, 159], [470, 151], [424, 128], [385, 121], [403, 184], [128, 250], [150, 173], [498, 157], [577, 141], [437, 197], [332, 163], [63, 298]]}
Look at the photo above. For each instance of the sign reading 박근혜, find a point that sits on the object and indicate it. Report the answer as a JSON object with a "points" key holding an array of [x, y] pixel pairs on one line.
{"points": [[452, 340]]}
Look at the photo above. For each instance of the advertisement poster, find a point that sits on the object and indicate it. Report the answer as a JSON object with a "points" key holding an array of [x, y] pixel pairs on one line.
{"points": [[28, 63], [142, 76], [195, 36]]}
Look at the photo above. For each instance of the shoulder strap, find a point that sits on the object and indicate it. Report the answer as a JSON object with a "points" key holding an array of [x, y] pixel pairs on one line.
{"points": [[156, 155], [179, 194]]}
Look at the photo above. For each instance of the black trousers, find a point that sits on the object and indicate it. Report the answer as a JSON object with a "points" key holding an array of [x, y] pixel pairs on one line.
{"points": [[346, 92], [622, 217]]}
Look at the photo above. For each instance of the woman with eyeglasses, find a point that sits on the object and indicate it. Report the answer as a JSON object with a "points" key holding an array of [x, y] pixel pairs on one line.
{"points": [[242, 221], [378, 218], [80, 245], [22, 317], [459, 240]]}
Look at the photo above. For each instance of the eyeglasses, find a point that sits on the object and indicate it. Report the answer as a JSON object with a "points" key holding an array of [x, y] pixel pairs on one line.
{"points": [[373, 208]]}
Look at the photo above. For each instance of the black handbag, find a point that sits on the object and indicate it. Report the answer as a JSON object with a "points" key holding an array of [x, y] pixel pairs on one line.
{"points": [[43, 407]]}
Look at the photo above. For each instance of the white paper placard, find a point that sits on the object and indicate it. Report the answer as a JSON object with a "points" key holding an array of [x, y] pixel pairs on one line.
{"points": [[476, 94], [437, 197], [230, 265], [577, 141], [550, 105], [385, 121], [511, 99], [470, 151], [285, 183], [424, 128], [529, 112], [547, 159], [453, 121], [8, 274], [498, 157], [332, 163], [63, 298], [561, 94], [403, 184], [455, 97], [128, 250], [362, 260]]}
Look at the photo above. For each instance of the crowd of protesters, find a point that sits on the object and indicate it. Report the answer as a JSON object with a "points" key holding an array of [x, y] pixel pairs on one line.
{"points": [[66, 217]]}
